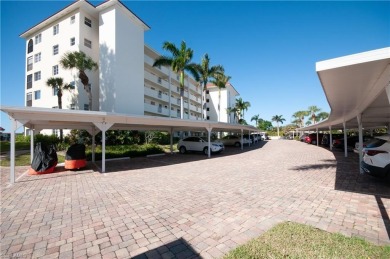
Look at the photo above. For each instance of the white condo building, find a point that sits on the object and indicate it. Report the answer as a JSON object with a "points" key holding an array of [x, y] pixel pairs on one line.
{"points": [[126, 81]]}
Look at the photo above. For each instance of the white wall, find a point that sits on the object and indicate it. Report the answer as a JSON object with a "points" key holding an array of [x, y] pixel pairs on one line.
{"points": [[121, 63]]}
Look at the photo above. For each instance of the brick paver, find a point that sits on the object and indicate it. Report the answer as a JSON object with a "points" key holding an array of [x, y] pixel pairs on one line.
{"points": [[188, 206]]}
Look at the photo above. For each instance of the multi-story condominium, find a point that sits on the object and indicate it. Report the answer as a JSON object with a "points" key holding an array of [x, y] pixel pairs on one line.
{"points": [[125, 82], [219, 101]]}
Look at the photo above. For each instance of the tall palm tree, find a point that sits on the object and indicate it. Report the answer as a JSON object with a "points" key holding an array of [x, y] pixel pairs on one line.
{"points": [[233, 110], [80, 61], [220, 80], [242, 106], [256, 119], [313, 110], [322, 116], [300, 117], [57, 84], [179, 63], [278, 119], [205, 72]]}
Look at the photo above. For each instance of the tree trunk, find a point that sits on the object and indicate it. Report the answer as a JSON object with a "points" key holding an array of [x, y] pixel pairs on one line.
{"points": [[181, 103], [59, 96], [277, 125]]}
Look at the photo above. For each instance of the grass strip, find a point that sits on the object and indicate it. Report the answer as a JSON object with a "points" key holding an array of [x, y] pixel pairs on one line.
{"points": [[24, 160], [293, 240]]}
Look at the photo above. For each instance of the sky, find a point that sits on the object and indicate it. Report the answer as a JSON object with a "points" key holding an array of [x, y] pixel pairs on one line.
{"points": [[269, 48]]}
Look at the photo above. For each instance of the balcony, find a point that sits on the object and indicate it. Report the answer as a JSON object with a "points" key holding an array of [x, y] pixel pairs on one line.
{"points": [[150, 61], [157, 80], [156, 109], [156, 94], [194, 108]]}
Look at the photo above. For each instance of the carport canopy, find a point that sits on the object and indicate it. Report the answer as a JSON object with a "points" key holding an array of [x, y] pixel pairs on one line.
{"points": [[357, 88], [38, 119]]}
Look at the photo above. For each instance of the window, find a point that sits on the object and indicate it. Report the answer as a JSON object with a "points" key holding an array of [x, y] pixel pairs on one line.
{"points": [[37, 76], [38, 38], [159, 80], [37, 95], [152, 103], [29, 99], [72, 41], [56, 29], [55, 70], [55, 91], [86, 107], [29, 63], [87, 43], [55, 49], [37, 57], [29, 81], [73, 106], [30, 46], [72, 19], [87, 22], [72, 85]]}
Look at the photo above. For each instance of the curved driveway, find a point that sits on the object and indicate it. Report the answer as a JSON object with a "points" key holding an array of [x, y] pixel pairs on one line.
{"points": [[189, 206]]}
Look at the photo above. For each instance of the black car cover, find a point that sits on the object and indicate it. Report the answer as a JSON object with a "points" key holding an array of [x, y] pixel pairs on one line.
{"points": [[75, 152], [44, 157]]}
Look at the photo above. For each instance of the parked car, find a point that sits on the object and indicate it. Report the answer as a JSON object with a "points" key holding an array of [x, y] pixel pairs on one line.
{"points": [[326, 138], [365, 142], [198, 144], [256, 137], [250, 139], [312, 138], [233, 140], [303, 137], [351, 141], [376, 157]]}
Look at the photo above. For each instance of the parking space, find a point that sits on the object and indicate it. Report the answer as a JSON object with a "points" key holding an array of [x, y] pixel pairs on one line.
{"points": [[189, 206]]}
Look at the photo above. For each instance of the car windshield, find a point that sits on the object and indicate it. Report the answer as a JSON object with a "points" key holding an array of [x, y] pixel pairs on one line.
{"points": [[375, 143]]}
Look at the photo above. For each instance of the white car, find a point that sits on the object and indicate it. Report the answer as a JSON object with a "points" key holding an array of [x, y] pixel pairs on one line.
{"points": [[376, 157], [366, 141], [198, 144], [234, 140]]}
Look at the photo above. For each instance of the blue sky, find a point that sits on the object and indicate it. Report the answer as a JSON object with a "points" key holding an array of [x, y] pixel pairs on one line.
{"points": [[268, 48]]}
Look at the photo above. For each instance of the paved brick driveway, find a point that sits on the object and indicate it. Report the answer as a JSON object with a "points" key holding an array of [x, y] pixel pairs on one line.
{"points": [[188, 206]]}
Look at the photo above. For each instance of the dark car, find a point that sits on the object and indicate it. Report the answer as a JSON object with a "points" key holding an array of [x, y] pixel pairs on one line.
{"points": [[351, 141], [312, 138], [326, 138]]}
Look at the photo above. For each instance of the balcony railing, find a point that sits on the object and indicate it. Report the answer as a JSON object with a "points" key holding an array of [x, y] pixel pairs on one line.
{"points": [[156, 109]]}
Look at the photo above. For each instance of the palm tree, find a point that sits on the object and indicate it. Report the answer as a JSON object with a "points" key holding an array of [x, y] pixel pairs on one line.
{"points": [[205, 72], [322, 116], [179, 63], [57, 83], [277, 119], [233, 110], [242, 106], [300, 117], [313, 110], [82, 62], [256, 119], [220, 80]]}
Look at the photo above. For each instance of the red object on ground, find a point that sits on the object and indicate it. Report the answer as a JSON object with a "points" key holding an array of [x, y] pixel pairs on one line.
{"points": [[48, 171], [75, 164]]}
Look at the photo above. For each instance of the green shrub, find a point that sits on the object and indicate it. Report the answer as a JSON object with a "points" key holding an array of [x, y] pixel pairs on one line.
{"points": [[125, 151]]}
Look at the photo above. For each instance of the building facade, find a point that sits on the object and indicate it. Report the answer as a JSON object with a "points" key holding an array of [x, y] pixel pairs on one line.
{"points": [[125, 82]]}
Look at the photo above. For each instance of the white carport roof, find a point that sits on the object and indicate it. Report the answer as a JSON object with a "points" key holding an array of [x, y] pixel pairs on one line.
{"points": [[46, 118], [353, 85]]}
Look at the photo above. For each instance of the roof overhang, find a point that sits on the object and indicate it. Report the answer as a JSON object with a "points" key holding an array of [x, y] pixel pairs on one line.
{"points": [[46, 118], [356, 85]]}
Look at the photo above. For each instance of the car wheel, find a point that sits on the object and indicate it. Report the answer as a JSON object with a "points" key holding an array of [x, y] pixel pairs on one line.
{"points": [[182, 149], [206, 151], [237, 144]]}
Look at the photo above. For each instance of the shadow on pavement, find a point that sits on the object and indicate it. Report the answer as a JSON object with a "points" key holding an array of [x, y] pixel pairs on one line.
{"points": [[172, 159], [176, 249]]}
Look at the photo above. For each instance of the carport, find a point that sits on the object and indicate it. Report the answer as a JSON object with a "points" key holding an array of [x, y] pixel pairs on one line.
{"points": [[37, 119], [357, 88]]}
